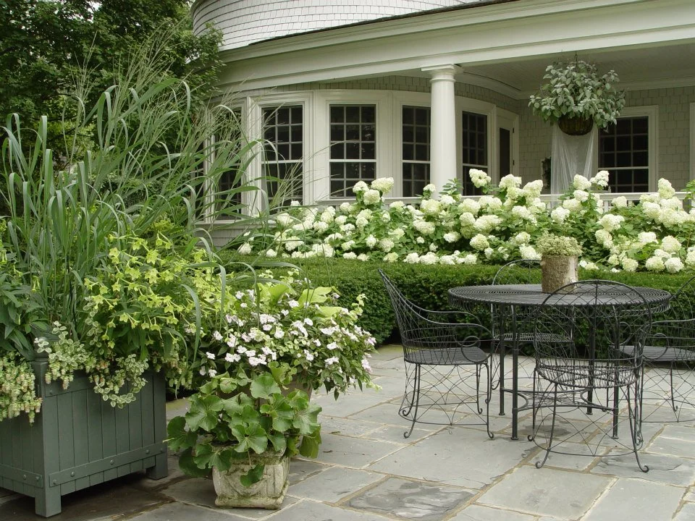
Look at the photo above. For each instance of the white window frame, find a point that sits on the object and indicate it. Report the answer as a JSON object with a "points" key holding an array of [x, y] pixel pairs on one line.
{"points": [[210, 191], [482, 108], [321, 187], [652, 114], [400, 100], [254, 129]]}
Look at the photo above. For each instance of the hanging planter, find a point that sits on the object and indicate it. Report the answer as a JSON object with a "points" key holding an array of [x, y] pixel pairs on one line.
{"points": [[574, 126], [576, 97]]}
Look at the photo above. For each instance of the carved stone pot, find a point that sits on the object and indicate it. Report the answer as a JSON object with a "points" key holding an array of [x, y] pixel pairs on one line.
{"points": [[558, 271], [268, 493]]}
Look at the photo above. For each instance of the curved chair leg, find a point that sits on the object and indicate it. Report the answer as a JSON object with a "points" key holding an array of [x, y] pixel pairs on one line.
{"points": [[488, 397], [632, 420], [539, 464], [673, 398], [416, 393], [477, 388]]}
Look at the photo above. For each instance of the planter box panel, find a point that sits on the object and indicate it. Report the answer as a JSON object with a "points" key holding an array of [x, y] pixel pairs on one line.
{"points": [[78, 441]]}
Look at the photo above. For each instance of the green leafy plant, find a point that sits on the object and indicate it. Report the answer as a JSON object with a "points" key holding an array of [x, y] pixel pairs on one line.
{"points": [[236, 416], [576, 90], [555, 245]]}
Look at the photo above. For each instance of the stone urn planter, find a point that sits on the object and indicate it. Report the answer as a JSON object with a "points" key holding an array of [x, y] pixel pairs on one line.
{"points": [[558, 271], [267, 493], [78, 440]]}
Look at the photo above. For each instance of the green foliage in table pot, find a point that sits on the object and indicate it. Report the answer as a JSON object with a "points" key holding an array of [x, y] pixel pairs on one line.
{"points": [[558, 246], [235, 415], [66, 225], [576, 90], [291, 322]]}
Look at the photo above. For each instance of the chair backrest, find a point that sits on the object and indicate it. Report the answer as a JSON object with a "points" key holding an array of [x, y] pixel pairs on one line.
{"points": [[419, 331], [521, 271], [591, 320]]}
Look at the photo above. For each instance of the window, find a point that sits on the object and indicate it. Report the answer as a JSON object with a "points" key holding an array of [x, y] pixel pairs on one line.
{"points": [[416, 150], [624, 152], [353, 147], [230, 178], [282, 161], [473, 148]]}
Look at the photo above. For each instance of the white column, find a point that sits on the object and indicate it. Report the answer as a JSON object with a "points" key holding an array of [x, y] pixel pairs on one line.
{"points": [[443, 165]]}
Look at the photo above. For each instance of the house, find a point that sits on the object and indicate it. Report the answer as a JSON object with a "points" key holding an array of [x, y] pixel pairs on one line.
{"points": [[424, 90]]}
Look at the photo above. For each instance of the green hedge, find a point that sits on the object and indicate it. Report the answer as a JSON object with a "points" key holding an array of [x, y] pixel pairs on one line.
{"points": [[425, 285]]}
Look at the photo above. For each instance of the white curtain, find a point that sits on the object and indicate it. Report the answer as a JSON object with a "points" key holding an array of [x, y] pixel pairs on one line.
{"points": [[571, 155]]}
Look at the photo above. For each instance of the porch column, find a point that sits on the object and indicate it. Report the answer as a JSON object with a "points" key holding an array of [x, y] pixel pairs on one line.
{"points": [[443, 166]]}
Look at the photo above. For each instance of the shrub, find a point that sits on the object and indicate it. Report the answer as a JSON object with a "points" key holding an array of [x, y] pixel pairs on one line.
{"points": [[425, 285]]}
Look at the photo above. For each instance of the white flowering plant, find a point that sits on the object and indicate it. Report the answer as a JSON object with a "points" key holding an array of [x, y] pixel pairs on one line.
{"points": [[550, 245], [289, 322], [503, 224]]}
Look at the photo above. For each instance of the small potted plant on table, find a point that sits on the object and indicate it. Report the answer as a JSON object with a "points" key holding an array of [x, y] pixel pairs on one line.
{"points": [[576, 97], [560, 261]]}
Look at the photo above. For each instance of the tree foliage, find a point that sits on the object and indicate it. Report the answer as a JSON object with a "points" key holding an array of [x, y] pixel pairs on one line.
{"points": [[48, 46]]}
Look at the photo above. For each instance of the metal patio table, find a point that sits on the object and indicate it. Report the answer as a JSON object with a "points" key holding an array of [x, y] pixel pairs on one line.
{"points": [[503, 299]]}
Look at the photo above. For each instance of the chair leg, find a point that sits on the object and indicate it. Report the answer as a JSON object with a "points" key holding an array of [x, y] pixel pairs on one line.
{"points": [[534, 408], [501, 384], [416, 393], [632, 420], [410, 402], [539, 464], [488, 397], [477, 388], [673, 398]]}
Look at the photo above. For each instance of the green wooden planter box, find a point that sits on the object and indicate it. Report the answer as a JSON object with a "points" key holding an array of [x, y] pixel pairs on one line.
{"points": [[79, 440]]}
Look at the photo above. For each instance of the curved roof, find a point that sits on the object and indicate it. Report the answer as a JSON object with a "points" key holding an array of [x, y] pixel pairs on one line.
{"points": [[244, 22]]}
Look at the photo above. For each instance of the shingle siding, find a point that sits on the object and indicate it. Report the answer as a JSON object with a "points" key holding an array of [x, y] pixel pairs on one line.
{"points": [[243, 22]]}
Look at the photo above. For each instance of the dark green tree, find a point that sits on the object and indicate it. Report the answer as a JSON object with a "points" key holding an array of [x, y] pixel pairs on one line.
{"points": [[46, 45]]}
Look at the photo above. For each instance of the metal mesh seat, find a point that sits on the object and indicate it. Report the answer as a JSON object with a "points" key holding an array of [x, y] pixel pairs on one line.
{"points": [[445, 367], [669, 361], [581, 365]]}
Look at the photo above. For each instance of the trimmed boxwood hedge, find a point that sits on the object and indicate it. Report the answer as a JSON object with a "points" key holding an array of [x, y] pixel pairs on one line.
{"points": [[426, 285]]}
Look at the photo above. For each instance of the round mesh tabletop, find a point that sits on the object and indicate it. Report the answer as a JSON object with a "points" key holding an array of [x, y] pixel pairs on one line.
{"points": [[531, 295]]}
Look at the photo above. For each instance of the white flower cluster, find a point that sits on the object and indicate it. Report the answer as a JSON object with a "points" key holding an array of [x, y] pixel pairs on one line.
{"points": [[501, 225]]}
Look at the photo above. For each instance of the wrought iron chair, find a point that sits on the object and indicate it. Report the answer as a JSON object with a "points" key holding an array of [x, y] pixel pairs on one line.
{"points": [[441, 358], [669, 359], [584, 368], [515, 325]]}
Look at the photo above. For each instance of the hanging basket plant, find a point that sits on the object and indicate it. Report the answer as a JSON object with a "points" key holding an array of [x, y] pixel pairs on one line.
{"points": [[576, 97]]}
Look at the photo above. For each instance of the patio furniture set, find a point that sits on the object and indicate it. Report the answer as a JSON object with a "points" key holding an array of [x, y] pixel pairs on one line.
{"points": [[593, 344]]}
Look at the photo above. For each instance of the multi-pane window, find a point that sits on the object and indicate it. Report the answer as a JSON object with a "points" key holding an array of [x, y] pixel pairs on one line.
{"points": [[353, 147], [416, 150], [282, 161], [624, 152], [473, 147], [231, 178]]}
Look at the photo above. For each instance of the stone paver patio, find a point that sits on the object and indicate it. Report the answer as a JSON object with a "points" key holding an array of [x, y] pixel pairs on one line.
{"points": [[367, 471]]}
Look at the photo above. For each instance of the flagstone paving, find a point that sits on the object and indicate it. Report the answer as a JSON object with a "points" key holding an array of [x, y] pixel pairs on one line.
{"points": [[367, 471]]}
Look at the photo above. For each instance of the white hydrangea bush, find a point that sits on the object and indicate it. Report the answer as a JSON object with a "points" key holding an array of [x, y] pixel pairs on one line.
{"points": [[501, 225]]}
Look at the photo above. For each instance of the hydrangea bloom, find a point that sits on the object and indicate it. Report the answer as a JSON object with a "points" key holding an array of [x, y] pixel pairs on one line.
{"points": [[670, 244], [479, 178], [619, 202], [559, 214], [480, 242], [383, 184], [372, 197], [581, 183]]}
